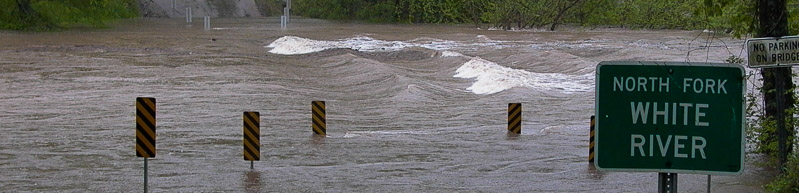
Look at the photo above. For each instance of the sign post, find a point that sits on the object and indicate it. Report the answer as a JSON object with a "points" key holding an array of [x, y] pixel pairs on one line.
{"points": [[318, 118], [670, 117], [515, 118], [145, 131], [667, 182], [252, 137], [776, 52]]}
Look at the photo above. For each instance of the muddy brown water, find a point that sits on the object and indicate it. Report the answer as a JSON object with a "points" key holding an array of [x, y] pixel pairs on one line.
{"points": [[428, 116]]}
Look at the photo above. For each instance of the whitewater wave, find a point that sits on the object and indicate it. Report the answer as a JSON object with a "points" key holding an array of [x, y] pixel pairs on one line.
{"points": [[292, 45], [451, 54], [492, 78]]}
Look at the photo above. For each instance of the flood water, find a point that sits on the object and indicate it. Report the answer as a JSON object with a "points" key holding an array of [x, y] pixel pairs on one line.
{"points": [[410, 108]]}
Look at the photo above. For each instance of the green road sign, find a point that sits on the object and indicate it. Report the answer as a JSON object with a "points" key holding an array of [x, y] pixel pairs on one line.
{"points": [[670, 117]]}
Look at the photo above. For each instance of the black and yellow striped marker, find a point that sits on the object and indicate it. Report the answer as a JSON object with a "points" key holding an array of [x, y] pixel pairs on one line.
{"points": [[319, 125], [515, 118], [145, 127], [591, 141], [252, 136]]}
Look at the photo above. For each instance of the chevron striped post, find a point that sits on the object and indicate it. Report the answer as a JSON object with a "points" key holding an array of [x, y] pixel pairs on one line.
{"points": [[318, 125], [515, 118], [252, 137], [591, 141]]}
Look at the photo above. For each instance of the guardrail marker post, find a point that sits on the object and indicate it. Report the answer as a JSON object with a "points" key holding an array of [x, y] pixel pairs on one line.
{"points": [[252, 137], [515, 118], [145, 131], [319, 125], [591, 140]]}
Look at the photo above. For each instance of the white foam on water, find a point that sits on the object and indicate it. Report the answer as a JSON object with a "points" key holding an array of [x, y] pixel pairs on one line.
{"points": [[292, 45], [368, 44], [451, 54], [492, 78]]}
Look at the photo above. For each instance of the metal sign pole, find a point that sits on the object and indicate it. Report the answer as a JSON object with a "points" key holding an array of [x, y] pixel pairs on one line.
{"points": [[708, 183], [207, 23], [145, 131], [667, 182], [763, 54], [188, 14], [145, 175], [782, 135]]}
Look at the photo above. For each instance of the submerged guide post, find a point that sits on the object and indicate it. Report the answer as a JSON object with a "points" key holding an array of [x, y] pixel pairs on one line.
{"points": [[515, 118], [145, 131], [252, 137]]}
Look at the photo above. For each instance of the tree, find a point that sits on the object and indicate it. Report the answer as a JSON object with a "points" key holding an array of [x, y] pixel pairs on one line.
{"points": [[563, 7], [773, 22]]}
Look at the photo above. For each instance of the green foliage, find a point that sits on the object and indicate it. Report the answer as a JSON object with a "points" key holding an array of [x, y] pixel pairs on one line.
{"points": [[16, 17], [54, 14], [478, 11], [761, 131], [788, 181], [521, 14], [324, 9], [740, 16], [381, 12], [432, 11], [639, 13], [270, 7], [736, 16], [793, 17], [512, 13]]}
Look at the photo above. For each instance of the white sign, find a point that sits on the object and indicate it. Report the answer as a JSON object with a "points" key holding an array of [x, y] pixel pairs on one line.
{"points": [[773, 52]]}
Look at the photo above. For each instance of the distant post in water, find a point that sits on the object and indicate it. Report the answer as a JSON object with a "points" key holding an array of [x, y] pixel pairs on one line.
{"points": [[319, 125], [252, 137], [145, 131], [282, 22], [207, 22], [286, 13], [515, 118], [591, 141], [188, 14]]}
